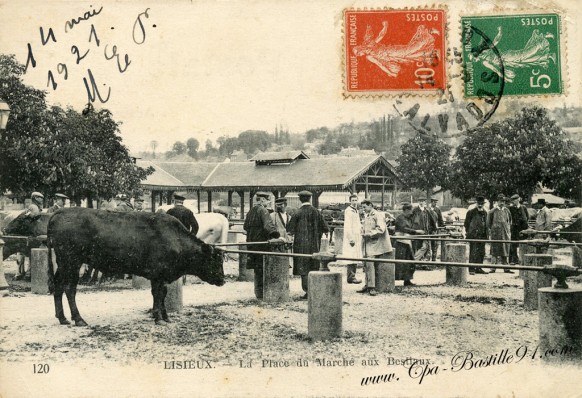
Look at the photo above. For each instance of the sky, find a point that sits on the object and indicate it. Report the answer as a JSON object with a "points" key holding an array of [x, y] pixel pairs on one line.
{"points": [[211, 68]]}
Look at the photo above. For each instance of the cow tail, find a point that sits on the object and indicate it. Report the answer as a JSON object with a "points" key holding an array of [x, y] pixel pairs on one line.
{"points": [[51, 272]]}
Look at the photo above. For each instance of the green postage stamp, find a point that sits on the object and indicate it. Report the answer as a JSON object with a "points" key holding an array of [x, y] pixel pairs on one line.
{"points": [[514, 54]]}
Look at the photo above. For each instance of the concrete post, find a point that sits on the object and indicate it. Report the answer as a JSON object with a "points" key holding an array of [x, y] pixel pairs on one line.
{"points": [[525, 249], [456, 253], [533, 280], [324, 305], [139, 282], [244, 274], [39, 270], [338, 240], [560, 323], [3, 284], [276, 279], [443, 250], [385, 275], [174, 301]]}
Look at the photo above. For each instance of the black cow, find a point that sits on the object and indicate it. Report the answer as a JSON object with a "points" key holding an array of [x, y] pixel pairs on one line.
{"points": [[155, 246]]}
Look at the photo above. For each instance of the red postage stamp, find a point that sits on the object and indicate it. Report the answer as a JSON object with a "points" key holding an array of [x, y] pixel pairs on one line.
{"points": [[394, 51]]}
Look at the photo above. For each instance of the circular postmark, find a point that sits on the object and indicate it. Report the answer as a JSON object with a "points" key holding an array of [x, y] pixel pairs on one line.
{"points": [[449, 117]]}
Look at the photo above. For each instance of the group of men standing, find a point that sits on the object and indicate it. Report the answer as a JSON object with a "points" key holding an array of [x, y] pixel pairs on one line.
{"points": [[305, 229], [504, 222], [362, 237]]}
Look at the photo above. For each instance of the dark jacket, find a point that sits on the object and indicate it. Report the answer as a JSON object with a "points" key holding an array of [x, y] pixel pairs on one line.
{"points": [[476, 224]]}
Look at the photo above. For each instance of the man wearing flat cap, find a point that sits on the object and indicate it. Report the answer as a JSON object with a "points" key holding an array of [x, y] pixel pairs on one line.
{"points": [[185, 215], [35, 207], [499, 227], [280, 217], [476, 228], [260, 228], [307, 226], [376, 243], [519, 219], [138, 204], [59, 203], [124, 204]]}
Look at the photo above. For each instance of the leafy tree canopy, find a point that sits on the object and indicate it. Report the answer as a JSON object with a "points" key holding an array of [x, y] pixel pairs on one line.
{"points": [[424, 163], [55, 150], [514, 155]]}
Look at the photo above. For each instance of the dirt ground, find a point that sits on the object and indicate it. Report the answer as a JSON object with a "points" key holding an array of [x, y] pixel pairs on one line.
{"points": [[229, 328]]}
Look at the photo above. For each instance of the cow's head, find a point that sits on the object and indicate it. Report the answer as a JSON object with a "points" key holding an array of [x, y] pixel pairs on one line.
{"points": [[208, 265], [26, 224]]}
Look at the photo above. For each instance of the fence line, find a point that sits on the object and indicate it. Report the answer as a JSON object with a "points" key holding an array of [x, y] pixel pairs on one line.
{"points": [[391, 261]]}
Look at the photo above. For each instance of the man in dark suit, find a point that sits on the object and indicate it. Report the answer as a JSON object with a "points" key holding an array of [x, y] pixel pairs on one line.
{"points": [[184, 214], [476, 228], [307, 226], [259, 228], [519, 219]]}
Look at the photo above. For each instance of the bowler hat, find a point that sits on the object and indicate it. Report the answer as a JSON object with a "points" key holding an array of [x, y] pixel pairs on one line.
{"points": [[541, 201], [480, 199], [305, 193], [179, 197], [281, 200]]}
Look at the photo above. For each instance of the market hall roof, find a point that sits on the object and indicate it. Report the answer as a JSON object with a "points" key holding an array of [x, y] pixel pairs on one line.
{"points": [[176, 176], [327, 174]]}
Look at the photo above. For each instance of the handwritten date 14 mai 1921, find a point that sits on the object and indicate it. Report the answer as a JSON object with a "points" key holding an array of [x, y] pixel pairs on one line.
{"points": [[110, 52]]}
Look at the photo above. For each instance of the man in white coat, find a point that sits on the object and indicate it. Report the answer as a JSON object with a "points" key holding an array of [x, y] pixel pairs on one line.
{"points": [[352, 243]]}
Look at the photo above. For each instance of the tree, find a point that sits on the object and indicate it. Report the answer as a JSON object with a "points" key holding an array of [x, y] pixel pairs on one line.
{"points": [[227, 145], [251, 141], [514, 155], [192, 144], [179, 148], [55, 150], [329, 146], [424, 163]]}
